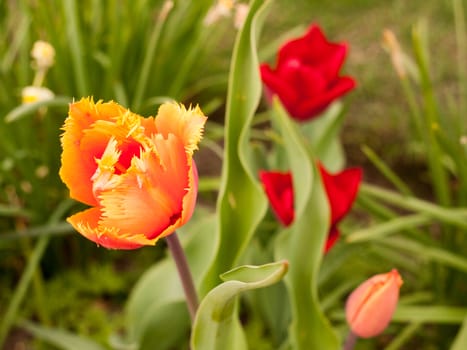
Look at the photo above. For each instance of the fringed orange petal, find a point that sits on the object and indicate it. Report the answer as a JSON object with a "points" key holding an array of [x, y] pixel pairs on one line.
{"points": [[78, 163], [187, 125], [87, 224]]}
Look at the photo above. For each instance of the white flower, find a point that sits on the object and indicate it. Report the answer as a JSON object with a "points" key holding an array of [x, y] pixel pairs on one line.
{"points": [[221, 9], [43, 54], [32, 94], [241, 11]]}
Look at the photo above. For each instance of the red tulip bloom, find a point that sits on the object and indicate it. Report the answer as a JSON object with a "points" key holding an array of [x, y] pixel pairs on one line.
{"points": [[306, 77], [341, 190], [136, 173]]}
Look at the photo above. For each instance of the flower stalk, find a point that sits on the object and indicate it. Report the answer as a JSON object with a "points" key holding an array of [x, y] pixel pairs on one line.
{"points": [[350, 341], [184, 272]]}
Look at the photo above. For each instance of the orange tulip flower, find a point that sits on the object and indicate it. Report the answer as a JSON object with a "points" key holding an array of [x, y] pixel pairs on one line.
{"points": [[136, 173], [370, 307]]}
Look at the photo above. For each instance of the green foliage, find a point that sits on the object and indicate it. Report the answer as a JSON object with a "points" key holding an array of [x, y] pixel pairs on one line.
{"points": [[303, 246], [216, 325], [145, 53], [241, 203]]}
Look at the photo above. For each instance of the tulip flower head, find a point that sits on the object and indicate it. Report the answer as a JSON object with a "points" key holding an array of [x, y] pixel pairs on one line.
{"points": [[306, 77], [370, 307], [136, 173], [341, 190]]}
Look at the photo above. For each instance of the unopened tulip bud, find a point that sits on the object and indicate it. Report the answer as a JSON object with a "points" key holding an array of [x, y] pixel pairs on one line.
{"points": [[370, 307]]}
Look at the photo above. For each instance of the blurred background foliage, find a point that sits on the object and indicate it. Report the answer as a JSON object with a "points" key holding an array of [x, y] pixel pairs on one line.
{"points": [[140, 55]]}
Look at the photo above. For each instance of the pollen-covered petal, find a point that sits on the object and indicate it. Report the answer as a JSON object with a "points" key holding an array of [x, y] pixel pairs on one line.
{"points": [[87, 224], [104, 178], [149, 199], [187, 125], [77, 158]]}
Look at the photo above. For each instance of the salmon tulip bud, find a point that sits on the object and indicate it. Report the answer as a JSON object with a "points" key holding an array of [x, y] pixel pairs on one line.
{"points": [[136, 173], [370, 307]]}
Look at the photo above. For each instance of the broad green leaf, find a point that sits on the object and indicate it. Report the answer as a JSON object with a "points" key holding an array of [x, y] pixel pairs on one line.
{"points": [[241, 203], [323, 135], [61, 338], [167, 327], [146, 309], [302, 245], [460, 343], [216, 325]]}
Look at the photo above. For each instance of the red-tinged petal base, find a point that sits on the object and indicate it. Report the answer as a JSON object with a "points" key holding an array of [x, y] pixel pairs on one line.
{"points": [[87, 224], [149, 198]]}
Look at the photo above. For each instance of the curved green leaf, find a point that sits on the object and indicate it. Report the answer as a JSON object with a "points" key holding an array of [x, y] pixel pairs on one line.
{"points": [[157, 299], [29, 108], [171, 316], [322, 134], [302, 245], [216, 325], [460, 343], [241, 203]]}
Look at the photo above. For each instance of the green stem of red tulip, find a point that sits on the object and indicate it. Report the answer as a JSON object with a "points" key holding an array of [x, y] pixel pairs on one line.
{"points": [[350, 341], [184, 272]]}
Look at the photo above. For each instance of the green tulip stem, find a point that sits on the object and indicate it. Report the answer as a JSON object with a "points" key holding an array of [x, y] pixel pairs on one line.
{"points": [[350, 341], [184, 272]]}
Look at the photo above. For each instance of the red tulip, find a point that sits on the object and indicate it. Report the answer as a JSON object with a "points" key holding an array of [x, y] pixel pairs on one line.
{"points": [[370, 307], [279, 190], [341, 190], [306, 77], [136, 173]]}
